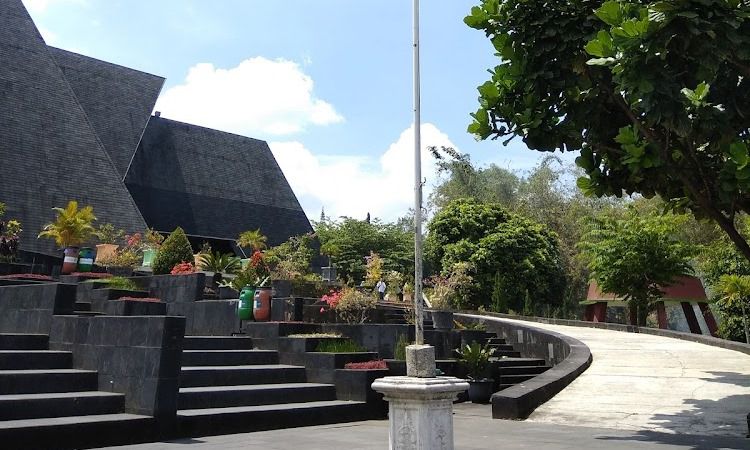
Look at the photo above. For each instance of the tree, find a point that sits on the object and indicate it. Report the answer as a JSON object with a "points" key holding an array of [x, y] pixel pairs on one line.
{"points": [[510, 255], [176, 249], [735, 291], [348, 241], [635, 257], [654, 94], [253, 239]]}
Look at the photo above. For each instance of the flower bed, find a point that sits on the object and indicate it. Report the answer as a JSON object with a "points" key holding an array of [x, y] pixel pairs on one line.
{"points": [[141, 299], [27, 276], [91, 275], [367, 365]]}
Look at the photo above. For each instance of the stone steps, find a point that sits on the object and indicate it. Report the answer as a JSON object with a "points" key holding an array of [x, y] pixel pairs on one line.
{"points": [[34, 406], [73, 432], [34, 359], [39, 381], [510, 362], [204, 422], [522, 370], [499, 348], [197, 376], [254, 395], [82, 306], [12, 341], [228, 357], [217, 343]]}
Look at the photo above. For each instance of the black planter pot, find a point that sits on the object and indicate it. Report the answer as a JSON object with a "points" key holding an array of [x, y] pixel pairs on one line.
{"points": [[442, 320], [120, 271], [480, 391], [226, 292]]}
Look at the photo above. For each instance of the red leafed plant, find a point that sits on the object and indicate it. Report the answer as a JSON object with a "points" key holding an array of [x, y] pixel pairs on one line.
{"points": [[367, 365], [183, 268], [92, 274], [141, 299], [331, 299], [27, 276]]}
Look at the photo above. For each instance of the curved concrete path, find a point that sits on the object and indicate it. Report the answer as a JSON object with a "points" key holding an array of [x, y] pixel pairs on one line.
{"points": [[659, 384]]}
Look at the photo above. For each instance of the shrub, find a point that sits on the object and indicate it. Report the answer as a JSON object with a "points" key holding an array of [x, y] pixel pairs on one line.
{"points": [[367, 365], [123, 283], [141, 299], [183, 268], [219, 262], [175, 250], [108, 234], [353, 306], [72, 226], [339, 346]]}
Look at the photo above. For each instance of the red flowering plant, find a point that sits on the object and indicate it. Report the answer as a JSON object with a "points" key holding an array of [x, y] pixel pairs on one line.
{"points": [[92, 274], [331, 299], [183, 268], [141, 299], [366, 365]]}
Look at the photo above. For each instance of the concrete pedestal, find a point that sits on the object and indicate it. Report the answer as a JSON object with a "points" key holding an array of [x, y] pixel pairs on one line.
{"points": [[420, 411]]}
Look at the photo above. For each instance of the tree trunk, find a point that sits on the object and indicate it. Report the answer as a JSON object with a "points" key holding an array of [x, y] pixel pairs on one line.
{"points": [[642, 314]]}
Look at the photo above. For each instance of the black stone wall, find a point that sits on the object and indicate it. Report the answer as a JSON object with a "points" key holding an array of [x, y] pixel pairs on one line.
{"points": [[137, 356], [28, 308]]}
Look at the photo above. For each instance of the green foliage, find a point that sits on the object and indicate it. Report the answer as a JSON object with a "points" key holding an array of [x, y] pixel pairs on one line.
{"points": [[354, 306], [450, 290], [72, 226], [632, 257], [339, 346], [108, 234], [373, 269], [253, 239], [399, 350], [654, 94], [175, 249], [349, 240], [735, 291], [219, 262], [122, 283], [477, 359], [508, 253], [291, 259]]}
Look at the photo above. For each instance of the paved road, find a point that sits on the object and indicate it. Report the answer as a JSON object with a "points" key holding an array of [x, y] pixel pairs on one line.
{"points": [[474, 430], [646, 382]]}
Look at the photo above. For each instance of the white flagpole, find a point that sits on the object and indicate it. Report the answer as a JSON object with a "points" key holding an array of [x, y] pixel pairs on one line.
{"points": [[418, 307]]}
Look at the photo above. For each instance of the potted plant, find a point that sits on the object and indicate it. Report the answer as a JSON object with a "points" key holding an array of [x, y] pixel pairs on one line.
{"points": [[476, 358], [71, 228], [126, 259], [218, 263], [447, 291], [153, 240], [108, 237]]}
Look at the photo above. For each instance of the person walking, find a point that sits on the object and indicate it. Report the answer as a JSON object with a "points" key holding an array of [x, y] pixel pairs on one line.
{"points": [[381, 289]]}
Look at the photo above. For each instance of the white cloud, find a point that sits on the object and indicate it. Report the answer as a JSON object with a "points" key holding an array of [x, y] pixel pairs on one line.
{"points": [[258, 97], [354, 186]]}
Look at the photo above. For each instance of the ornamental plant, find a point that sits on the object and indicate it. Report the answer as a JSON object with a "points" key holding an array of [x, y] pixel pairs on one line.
{"points": [[108, 234], [175, 250], [353, 305], [183, 268], [448, 290], [72, 226], [367, 365]]}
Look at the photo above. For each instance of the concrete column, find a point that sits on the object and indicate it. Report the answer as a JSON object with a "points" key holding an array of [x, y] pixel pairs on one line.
{"points": [[420, 411]]}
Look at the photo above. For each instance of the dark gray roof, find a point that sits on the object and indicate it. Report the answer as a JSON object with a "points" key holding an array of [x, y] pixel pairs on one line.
{"points": [[49, 150], [117, 100], [212, 183]]}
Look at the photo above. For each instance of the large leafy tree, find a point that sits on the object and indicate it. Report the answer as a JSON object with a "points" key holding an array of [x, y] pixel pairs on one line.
{"points": [[516, 262], [636, 256], [654, 94], [348, 241]]}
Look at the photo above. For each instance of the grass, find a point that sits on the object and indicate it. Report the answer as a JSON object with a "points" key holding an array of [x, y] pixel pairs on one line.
{"points": [[122, 283], [345, 346], [314, 335]]}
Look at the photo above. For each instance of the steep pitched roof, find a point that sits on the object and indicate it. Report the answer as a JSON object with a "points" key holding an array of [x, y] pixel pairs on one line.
{"points": [[212, 183], [117, 100], [49, 150]]}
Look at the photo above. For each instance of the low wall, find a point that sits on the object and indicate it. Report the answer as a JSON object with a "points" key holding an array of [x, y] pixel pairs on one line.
{"points": [[174, 289], [137, 356], [28, 308], [569, 357], [207, 317], [702, 339]]}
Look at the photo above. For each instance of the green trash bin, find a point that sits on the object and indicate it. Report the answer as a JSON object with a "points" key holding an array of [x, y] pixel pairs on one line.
{"points": [[245, 306], [85, 259]]}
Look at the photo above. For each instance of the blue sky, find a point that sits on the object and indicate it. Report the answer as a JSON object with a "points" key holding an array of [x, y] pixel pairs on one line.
{"points": [[326, 82]]}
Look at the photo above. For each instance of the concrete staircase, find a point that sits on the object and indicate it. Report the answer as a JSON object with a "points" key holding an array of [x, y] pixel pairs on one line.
{"points": [[227, 386], [509, 367], [45, 403]]}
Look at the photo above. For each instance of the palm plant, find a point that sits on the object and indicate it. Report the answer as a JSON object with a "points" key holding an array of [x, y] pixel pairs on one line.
{"points": [[736, 290], [72, 226], [219, 263], [253, 239], [477, 359]]}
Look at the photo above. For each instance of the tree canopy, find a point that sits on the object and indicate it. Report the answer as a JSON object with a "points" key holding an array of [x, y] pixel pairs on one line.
{"points": [[636, 256], [516, 262], [654, 94]]}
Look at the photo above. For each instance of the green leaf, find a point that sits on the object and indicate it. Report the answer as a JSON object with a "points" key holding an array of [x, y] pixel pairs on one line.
{"points": [[702, 90], [738, 153], [489, 91], [477, 18], [601, 46], [610, 13]]}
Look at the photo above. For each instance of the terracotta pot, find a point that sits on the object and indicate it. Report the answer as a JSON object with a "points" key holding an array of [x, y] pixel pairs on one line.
{"points": [[70, 261], [262, 304]]}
